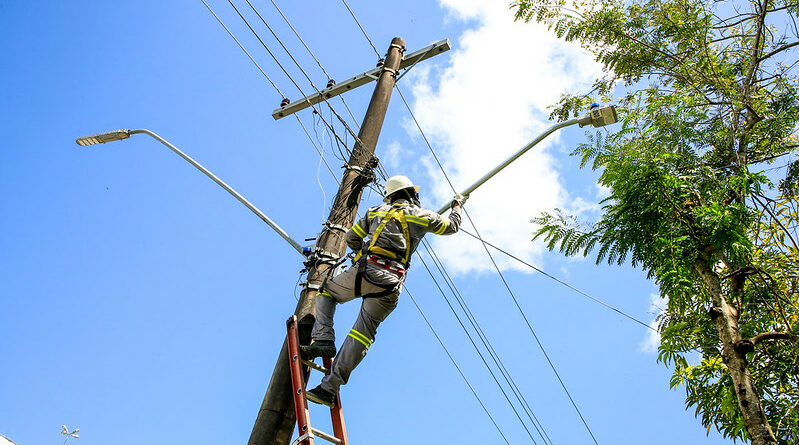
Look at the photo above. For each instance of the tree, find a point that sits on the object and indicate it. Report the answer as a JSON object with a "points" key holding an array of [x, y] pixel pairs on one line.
{"points": [[709, 112]]}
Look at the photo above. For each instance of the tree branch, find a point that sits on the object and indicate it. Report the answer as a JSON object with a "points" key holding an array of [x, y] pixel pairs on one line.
{"points": [[778, 50], [748, 345], [771, 336]]}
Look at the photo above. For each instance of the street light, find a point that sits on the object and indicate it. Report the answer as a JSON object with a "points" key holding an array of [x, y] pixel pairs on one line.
{"points": [[597, 117], [65, 431], [119, 135]]}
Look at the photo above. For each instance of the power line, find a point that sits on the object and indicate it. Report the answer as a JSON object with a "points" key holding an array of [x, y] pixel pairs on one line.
{"points": [[291, 56], [272, 83], [329, 78], [245, 51], [530, 327], [499, 272], [463, 376], [552, 277], [280, 65], [485, 341], [479, 353], [362, 30]]}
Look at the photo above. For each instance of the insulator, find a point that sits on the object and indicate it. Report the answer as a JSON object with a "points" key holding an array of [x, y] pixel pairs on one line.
{"points": [[284, 102], [330, 83]]}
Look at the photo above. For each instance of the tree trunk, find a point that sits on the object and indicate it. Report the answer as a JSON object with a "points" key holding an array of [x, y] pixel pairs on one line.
{"points": [[725, 318]]}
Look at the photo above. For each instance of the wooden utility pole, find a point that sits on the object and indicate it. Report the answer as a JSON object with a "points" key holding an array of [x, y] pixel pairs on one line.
{"points": [[276, 420]]}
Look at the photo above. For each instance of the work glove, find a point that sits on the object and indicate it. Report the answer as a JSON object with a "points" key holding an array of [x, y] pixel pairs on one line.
{"points": [[459, 199]]}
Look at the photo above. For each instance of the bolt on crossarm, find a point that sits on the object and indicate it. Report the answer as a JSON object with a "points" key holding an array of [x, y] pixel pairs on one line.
{"points": [[119, 135], [598, 117]]}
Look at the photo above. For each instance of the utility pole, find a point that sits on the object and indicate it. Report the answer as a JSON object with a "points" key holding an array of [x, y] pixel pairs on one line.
{"points": [[276, 419]]}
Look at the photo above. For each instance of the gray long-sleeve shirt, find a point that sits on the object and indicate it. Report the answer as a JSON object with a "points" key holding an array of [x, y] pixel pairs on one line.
{"points": [[420, 222]]}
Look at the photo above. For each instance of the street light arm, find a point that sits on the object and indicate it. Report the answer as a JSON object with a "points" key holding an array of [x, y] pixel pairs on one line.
{"points": [[124, 134], [229, 189], [597, 117], [581, 120]]}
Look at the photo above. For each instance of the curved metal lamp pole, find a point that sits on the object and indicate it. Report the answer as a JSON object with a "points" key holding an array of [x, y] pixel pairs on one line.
{"points": [[598, 117], [118, 135]]}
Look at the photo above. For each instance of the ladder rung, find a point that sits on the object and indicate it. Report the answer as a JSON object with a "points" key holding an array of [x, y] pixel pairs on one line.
{"points": [[326, 436], [313, 365]]}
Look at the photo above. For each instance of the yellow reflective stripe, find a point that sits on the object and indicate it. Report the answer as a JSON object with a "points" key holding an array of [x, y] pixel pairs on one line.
{"points": [[406, 234], [356, 338], [382, 251], [373, 214], [361, 338], [358, 230], [325, 293], [444, 225], [417, 220]]}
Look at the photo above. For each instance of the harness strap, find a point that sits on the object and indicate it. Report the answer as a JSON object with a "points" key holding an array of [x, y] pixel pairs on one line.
{"points": [[359, 277], [397, 213]]}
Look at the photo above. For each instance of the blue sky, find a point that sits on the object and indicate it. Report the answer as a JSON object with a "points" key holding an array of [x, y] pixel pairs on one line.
{"points": [[142, 304]]}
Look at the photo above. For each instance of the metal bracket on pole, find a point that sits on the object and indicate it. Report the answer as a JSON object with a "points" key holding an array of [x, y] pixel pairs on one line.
{"points": [[311, 286], [353, 167], [332, 226], [361, 79]]}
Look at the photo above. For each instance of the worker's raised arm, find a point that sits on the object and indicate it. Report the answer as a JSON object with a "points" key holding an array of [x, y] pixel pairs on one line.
{"points": [[356, 234], [445, 225]]}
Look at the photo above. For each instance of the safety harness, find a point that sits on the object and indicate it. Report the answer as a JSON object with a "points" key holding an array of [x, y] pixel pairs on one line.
{"points": [[383, 257]]}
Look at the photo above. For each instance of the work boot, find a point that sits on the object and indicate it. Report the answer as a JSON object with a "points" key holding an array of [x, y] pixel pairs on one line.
{"points": [[321, 396], [319, 348]]}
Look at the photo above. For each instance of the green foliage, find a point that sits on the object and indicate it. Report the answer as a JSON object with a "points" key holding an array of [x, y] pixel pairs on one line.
{"points": [[708, 103]]}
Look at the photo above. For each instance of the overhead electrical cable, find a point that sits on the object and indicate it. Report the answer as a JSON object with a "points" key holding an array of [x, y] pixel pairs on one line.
{"points": [[270, 81], [291, 56], [361, 27], [558, 280], [280, 65], [245, 51], [501, 275], [452, 359], [329, 78], [488, 252], [479, 352], [486, 344]]}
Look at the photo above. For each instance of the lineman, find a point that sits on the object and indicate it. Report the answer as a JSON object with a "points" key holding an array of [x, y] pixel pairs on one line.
{"points": [[384, 238]]}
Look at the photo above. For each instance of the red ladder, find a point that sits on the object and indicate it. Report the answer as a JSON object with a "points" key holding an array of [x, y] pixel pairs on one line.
{"points": [[298, 383]]}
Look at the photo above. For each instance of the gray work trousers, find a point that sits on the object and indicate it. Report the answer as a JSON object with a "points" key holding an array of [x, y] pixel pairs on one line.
{"points": [[341, 289]]}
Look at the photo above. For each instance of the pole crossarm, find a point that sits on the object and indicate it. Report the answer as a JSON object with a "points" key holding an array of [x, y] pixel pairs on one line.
{"points": [[361, 79]]}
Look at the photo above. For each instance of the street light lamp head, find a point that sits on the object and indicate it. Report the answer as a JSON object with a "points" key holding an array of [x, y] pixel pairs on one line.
{"points": [[102, 138], [599, 116]]}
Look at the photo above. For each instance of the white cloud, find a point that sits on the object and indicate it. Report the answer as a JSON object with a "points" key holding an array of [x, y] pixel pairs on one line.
{"points": [[391, 155], [489, 102], [657, 305]]}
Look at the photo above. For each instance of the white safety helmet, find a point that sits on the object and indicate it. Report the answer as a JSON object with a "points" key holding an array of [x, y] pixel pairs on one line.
{"points": [[397, 183]]}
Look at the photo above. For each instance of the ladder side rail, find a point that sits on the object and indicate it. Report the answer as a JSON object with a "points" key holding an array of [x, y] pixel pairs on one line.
{"points": [[298, 382]]}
